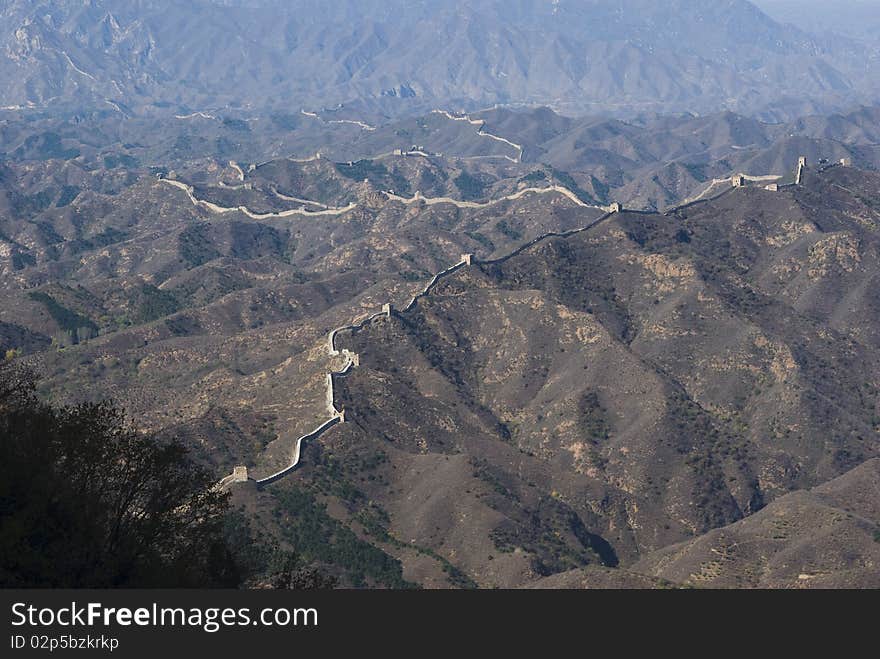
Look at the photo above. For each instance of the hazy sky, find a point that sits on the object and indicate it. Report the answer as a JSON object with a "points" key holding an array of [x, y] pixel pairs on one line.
{"points": [[857, 17]]}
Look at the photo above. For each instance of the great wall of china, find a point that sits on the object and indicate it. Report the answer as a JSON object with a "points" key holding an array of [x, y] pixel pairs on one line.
{"points": [[332, 210], [324, 209], [336, 416], [481, 125], [360, 124], [240, 473], [220, 210]]}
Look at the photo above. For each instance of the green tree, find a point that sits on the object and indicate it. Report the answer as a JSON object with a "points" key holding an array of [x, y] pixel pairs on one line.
{"points": [[87, 501]]}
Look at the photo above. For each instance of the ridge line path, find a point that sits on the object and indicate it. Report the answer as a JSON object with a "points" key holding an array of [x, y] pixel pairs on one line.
{"points": [[352, 359], [220, 210], [770, 178], [431, 201], [328, 210], [72, 65], [238, 170], [360, 124], [481, 126], [193, 115]]}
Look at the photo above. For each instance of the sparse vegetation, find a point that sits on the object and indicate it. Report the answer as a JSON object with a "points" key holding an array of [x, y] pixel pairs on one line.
{"points": [[321, 538]]}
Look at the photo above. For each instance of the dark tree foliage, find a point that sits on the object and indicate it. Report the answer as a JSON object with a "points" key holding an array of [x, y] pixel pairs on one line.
{"points": [[86, 501], [68, 320], [290, 575], [471, 188]]}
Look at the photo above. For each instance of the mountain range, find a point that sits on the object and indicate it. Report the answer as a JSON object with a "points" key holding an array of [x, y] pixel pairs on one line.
{"points": [[392, 58], [524, 294], [615, 407]]}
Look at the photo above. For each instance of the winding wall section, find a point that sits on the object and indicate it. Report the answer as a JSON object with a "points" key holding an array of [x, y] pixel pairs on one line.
{"points": [[352, 361]]}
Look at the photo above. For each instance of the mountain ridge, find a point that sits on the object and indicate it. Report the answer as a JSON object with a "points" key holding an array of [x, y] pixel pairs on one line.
{"points": [[439, 339], [576, 56]]}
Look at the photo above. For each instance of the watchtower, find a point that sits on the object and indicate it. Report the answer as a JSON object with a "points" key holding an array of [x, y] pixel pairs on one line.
{"points": [[802, 165], [615, 208], [388, 309], [846, 162], [738, 181], [239, 474], [467, 259]]}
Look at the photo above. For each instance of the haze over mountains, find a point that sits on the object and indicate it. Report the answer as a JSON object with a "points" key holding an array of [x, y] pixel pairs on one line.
{"points": [[855, 19], [625, 57], [651, 360]]}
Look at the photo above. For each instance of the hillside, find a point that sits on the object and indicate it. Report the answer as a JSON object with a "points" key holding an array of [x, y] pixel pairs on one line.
{"points": [[554, 418], [646, 381], [826, 537], [646, 164]]}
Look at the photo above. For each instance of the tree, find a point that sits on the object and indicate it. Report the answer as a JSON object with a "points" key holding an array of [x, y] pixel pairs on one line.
{"points": [[88, 501], [289, 575]]}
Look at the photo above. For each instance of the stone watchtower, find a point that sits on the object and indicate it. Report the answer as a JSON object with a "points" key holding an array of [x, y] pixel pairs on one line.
{"points": [[239, 474], [388, 309], [615, 208], [802, 165], [738, 181], [467, 259]]}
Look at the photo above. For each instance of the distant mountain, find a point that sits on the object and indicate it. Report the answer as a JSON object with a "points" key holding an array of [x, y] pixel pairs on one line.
{"points": [[396, 57], [647, 163]]}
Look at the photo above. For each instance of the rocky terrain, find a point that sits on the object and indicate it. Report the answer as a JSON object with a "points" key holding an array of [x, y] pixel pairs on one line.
{"points": [[609, 408], [651, 163], [597, 399]]}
